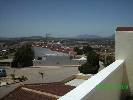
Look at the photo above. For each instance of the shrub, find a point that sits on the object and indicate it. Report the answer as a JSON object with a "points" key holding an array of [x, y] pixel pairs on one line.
{"points": [[88, 69]]}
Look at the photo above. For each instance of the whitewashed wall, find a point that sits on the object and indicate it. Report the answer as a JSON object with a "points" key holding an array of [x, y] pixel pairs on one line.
{"points": [[111, 75], [124, 50]]}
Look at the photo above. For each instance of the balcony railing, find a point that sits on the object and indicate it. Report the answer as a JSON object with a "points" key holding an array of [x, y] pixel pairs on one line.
{"points": [[105, 85]]}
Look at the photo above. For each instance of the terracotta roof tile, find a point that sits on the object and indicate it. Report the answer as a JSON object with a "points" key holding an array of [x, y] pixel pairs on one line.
{"points": [[56, 89], [19, 93]]}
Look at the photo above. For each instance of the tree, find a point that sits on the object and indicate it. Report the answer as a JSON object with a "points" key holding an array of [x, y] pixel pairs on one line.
{"points": [[93, 58], [78, 50], [88, 69], [92, 64], [109, 60], [23, 56], [87, 49]]}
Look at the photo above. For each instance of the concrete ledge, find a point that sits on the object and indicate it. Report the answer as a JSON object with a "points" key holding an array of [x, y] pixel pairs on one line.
{"points": [[84, 90]]}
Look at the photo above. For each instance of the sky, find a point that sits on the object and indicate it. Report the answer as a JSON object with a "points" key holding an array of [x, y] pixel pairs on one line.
{"points": [[63, 18]]}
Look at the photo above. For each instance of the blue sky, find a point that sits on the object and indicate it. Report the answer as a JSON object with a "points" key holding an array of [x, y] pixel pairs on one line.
{"points": [[63, 17]]}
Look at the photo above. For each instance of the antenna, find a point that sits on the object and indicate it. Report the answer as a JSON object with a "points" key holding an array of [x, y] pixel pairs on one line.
{"points": [[47, 36]]}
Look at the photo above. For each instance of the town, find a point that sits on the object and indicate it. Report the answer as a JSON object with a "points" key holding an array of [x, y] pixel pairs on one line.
{"points": [[101, 46], [52, 54]]}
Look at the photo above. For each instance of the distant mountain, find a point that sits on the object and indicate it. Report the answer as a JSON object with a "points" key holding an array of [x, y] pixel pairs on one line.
{"points": [[86, 36], [4, 38], [32, 37], [82, 36], [23, 38], [111, 37]]}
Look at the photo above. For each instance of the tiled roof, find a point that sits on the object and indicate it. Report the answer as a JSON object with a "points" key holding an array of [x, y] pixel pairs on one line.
{"points": [[21, 94], [57, 89], [46, 91], [124, 29]]}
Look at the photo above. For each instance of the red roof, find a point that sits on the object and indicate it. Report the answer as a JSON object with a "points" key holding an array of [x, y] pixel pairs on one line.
{"points": [[56, 89], [53, 88], [21, 94], [124, 29]]}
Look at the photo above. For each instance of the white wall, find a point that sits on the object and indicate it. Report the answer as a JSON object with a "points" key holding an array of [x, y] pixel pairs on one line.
{"points": [[111, 76], [124, 50]]}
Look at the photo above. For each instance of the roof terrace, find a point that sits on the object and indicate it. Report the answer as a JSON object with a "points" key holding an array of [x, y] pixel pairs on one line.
{"points": [[114, 82]]}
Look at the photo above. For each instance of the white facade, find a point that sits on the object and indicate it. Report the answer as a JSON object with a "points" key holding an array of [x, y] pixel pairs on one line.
{"points": [[124, 50]]}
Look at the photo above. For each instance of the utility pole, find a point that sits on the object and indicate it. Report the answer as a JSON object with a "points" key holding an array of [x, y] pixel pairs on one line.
{"points": [[46, 37], [105, 58]]}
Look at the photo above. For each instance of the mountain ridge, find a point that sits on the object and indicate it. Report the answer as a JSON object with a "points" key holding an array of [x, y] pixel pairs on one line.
{"points": [[81, 36]]}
